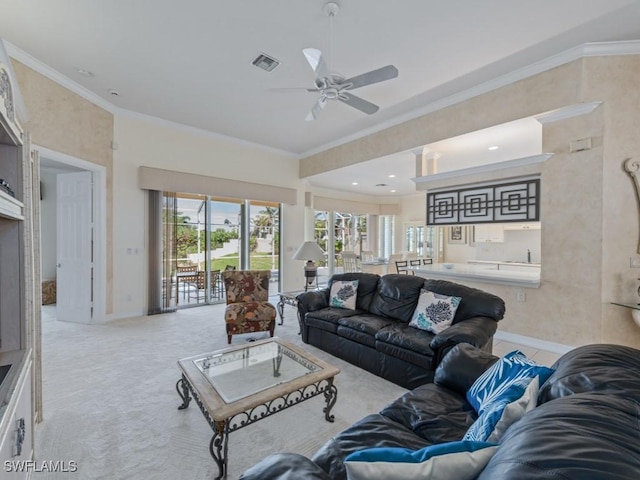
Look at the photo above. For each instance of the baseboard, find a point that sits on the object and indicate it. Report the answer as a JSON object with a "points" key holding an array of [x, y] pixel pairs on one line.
{"points": [[119, 316], [533, 342]]}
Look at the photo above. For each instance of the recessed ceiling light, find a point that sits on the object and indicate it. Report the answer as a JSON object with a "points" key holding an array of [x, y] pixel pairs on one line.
{"points": [[392, 191], [495, 147], [392, 176], [354, 183], [84, 73]]}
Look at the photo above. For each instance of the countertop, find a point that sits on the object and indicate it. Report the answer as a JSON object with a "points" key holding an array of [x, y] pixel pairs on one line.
{"points": [[480, 273]]}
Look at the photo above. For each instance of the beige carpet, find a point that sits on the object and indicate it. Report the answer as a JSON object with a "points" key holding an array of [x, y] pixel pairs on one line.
{"points": [[110, 402]]}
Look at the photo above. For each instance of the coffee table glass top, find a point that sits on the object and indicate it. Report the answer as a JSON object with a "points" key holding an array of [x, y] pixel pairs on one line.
{"points": [[242, 372]]}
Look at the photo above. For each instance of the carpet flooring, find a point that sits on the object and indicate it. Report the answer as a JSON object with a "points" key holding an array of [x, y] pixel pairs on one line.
{"points": [[110, 402]]}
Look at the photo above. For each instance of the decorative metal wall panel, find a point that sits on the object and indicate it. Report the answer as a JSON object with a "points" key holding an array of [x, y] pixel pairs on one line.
{"points": [[515, 201]]}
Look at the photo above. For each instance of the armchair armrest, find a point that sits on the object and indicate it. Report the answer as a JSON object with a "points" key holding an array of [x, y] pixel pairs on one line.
{"points": [[285, 466], [477, 331]]}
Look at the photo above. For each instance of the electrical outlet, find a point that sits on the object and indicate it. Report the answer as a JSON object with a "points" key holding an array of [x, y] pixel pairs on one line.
{"points": [[634, 262], [521, 296]]}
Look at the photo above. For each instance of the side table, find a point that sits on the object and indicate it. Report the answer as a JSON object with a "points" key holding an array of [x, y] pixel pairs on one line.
{"points": [[287, 298]]}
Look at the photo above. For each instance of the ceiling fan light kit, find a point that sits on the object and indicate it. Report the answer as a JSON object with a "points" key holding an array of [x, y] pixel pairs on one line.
{"points": [[332, 86]]}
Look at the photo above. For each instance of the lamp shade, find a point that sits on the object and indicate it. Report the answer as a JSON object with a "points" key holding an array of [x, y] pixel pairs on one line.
{"points": [[309, 251]]}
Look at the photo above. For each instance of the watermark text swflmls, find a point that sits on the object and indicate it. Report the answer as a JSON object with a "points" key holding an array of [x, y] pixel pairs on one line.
{"points": [[25, 466]]}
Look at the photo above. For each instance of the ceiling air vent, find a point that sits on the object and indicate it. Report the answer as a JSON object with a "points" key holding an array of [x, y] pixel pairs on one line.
{"points": [[265, 62]]}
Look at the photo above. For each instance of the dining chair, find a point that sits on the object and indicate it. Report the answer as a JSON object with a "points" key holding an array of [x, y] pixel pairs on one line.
{"points": [[402, 266], [350, 262]]}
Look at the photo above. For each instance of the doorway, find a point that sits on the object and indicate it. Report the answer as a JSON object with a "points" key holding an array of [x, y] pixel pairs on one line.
{"points": [[76, 297]]}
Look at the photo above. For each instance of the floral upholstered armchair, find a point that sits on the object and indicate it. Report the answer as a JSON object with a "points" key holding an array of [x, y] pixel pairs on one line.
{"points": [[248, 309]]}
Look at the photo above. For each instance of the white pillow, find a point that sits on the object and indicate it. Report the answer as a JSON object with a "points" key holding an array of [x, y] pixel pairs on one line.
{"points": [[343, 294], [445, 461], [434, 312]]}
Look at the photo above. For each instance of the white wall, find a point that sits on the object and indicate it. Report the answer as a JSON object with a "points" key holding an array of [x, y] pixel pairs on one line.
{"points": [[144, 143]]}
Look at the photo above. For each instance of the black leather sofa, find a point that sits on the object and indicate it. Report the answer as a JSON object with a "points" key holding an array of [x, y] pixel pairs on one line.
{"points": [[377, 336], [585, 427]]}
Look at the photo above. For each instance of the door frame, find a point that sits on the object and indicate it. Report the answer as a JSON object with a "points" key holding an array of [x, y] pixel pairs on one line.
{"points": [[99, 225]]}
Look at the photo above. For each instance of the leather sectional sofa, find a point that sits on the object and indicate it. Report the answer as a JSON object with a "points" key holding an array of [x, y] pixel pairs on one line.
{"points": [[584, 427], [376, 336]]}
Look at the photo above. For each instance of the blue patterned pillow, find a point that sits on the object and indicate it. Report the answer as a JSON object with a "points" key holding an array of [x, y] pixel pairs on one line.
{"points": [[343, 294], [446, 461], [504, 383], [434, 312], [494, 421]]}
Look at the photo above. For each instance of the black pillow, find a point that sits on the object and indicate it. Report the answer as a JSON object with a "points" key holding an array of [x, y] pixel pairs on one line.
{"points": [[461, 366]]}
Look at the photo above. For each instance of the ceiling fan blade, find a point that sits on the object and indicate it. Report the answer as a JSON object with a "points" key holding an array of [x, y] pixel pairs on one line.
{"points": [[314, 57], [292, 89], [317, 108], [359, 103], [374, 76]]}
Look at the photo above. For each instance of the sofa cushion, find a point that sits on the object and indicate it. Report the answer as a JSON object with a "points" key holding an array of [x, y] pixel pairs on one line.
{"points": [[436, 414], [374, 430], [461, 460], [462, 366], [434, 311], [357, 336], [327, 318], [343, 294], [474, 303], [396, 296], [367, 286], [402, 335], [495, 419], [582, 436], [365, 322], [594, 368]]}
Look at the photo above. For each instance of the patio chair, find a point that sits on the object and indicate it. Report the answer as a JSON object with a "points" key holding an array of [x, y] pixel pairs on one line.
{"points": [[248, 309], [197, 288]]}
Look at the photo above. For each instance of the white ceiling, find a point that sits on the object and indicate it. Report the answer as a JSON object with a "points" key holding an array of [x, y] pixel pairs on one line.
{"points": [[189, 61]]}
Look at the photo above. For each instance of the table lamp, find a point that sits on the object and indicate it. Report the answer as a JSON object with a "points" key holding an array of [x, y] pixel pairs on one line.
{"points": [[309, 251]]}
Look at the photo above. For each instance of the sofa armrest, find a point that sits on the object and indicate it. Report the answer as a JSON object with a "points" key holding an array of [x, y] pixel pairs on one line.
{"points": [[478, 331], [310, 302], [285, 466]]}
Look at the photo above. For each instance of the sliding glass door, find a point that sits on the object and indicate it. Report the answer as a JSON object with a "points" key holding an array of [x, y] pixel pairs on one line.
{"points": [[210, 235]]}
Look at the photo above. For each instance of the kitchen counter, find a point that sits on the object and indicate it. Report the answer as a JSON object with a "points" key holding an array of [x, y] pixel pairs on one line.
{"points": [[499, 263], [529, 277]]}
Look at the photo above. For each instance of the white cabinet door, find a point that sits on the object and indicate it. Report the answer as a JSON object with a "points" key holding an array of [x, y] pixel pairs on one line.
{"points": [[489, 233]]}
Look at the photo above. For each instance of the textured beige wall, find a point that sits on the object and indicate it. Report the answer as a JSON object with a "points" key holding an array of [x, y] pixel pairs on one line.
{"points": [[67, 123], [540, 93], [589, 210]]}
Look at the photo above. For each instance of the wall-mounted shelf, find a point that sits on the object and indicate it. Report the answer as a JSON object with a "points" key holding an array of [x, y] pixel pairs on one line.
{"points": [[10, 207]]}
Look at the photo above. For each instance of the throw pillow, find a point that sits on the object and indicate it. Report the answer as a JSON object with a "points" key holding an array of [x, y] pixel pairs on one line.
{"points": [[492, 424], [506, 379], [343, 294], [434, 312], [454, 460]]}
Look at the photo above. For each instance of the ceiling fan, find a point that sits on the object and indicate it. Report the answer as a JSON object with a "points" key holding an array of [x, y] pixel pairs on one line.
{"points": [[333, 86]]}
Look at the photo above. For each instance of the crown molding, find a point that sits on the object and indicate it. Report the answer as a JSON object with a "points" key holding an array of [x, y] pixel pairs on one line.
{"points": [[567, 112], [631, 47]]}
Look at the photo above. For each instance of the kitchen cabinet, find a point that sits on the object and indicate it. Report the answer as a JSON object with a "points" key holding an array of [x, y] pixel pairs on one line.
{"points": [[522, 226], [489, 233]]}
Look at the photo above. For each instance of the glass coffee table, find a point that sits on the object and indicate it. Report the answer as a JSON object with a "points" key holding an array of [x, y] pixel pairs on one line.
{"points": [[237, 386]]}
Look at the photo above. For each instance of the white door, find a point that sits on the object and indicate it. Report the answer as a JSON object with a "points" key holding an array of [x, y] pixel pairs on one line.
{"points": [[74, 247]]}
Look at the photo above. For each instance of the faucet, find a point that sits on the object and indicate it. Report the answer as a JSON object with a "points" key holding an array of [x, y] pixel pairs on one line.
{"points": [[528, 256]]}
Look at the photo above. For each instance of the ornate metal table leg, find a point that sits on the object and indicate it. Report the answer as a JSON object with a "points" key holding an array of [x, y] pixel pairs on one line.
{"points": [[218, 447], [184, 394], [280, 307], [331, 396]]}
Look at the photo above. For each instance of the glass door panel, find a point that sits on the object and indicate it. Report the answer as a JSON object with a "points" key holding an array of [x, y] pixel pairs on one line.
{"points": [[264, 240]]}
